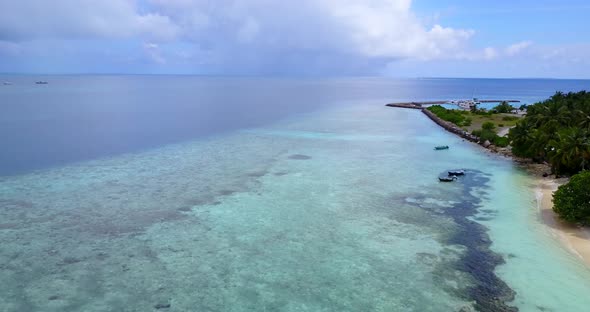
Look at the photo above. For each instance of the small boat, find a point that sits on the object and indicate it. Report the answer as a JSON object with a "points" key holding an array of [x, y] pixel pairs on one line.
{"points": [[7, 83], [458, 172], [41, 82], [447, 179], [441, 147]]}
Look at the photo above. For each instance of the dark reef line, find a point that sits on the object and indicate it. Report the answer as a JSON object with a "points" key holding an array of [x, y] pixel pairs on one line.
{"points": [[490, 292]]}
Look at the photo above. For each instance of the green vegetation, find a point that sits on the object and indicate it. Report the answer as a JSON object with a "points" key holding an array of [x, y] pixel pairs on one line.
{"points": [[503, 108], [488, 125], [489, 134], [501, 141], [572, 200], [556, 130], [449, 115], [481, 111], [472, 120], [509, 118], [480, 122]]}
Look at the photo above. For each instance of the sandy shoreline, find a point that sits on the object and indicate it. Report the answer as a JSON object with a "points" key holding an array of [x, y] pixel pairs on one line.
{"points": [[576, 239]]}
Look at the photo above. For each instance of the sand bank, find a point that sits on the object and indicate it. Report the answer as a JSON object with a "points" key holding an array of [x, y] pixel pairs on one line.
{"points": [[575, 238]]}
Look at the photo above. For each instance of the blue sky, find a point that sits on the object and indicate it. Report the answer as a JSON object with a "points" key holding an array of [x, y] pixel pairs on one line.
{"points": [[399, 38]]}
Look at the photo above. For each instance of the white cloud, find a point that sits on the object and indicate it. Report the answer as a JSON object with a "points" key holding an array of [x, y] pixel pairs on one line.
{"points": [[153, 52], [374, 29], [30, 19], [350, 36], [490, 53], [517, 48]]}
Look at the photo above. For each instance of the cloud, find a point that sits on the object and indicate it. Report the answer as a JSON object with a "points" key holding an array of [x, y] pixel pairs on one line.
{"points": [[379, 28], [153, 52], [518, 47], [240, 36], [354, 35], [490, 53], [80, 19]]}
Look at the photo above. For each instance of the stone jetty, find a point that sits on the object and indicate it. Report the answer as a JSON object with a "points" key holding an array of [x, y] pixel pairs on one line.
{"points": [[450, 126]]}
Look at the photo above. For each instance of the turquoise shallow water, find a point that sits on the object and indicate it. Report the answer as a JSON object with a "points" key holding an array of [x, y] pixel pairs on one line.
{"points": [[337, 210]]}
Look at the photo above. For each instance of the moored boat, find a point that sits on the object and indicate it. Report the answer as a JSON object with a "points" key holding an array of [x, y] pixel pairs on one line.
{"points": [[457, 172], [441, 147], [447, 179]]}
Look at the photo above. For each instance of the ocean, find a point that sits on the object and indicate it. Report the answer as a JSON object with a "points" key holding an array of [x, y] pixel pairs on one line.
{"points": [[183, 193]]}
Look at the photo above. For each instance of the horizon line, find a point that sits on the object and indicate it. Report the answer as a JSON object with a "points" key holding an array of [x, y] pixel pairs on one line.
{"points": [[280, 76]]}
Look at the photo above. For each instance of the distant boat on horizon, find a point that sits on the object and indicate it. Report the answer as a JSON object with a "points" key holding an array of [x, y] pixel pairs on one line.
{"points": [[41, 82], [7, 83]]}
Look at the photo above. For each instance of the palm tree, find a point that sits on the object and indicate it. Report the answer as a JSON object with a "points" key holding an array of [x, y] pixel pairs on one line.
{"points": [[521, 138], [570, 150], [584, 119]]}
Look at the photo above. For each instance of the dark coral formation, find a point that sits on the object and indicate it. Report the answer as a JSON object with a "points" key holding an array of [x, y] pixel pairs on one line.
{"points": [[299, 157]]}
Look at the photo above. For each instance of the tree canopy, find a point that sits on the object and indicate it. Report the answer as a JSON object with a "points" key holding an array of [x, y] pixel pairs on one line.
{"points": [[503, 107], [556, 130], [572, 200]]}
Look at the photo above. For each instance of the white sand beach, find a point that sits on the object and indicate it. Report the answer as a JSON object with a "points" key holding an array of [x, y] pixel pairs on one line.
{"points": [[575, 238]]}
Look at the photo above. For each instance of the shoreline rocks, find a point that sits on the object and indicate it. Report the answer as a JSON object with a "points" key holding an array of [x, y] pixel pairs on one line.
{"points": [[527, 164]]}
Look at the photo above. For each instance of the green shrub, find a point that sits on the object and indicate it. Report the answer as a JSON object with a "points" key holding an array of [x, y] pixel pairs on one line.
{"points": [[467, 122], [572, 200], [449, 115], [503, 107], [479, 111], [509, 118], [487, 134], [500, 125], [488, 125], [501, 141]]}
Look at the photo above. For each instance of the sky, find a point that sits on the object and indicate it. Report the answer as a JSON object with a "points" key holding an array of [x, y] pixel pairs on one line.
{"points": [[397, 38]]}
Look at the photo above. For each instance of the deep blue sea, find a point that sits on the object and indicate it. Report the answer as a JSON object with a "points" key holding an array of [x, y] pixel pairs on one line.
{"points": [[182, 193]]}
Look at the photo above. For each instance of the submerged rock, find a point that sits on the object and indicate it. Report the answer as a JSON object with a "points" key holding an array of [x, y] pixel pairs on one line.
{"points": [[299, 157], [162, 306]]}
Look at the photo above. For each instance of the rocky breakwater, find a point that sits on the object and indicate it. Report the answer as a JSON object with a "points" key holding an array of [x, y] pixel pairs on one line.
{"points": [[451, 127], [528, 164]]}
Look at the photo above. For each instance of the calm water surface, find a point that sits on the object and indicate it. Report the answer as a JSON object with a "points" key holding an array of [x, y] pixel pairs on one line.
{"points": [[132, 193]]}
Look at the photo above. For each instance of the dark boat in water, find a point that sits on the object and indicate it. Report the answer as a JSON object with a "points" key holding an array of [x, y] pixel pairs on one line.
{"points": [[458, 172], [447, 179], [451, 175], [441, 147], [41, 82]]}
